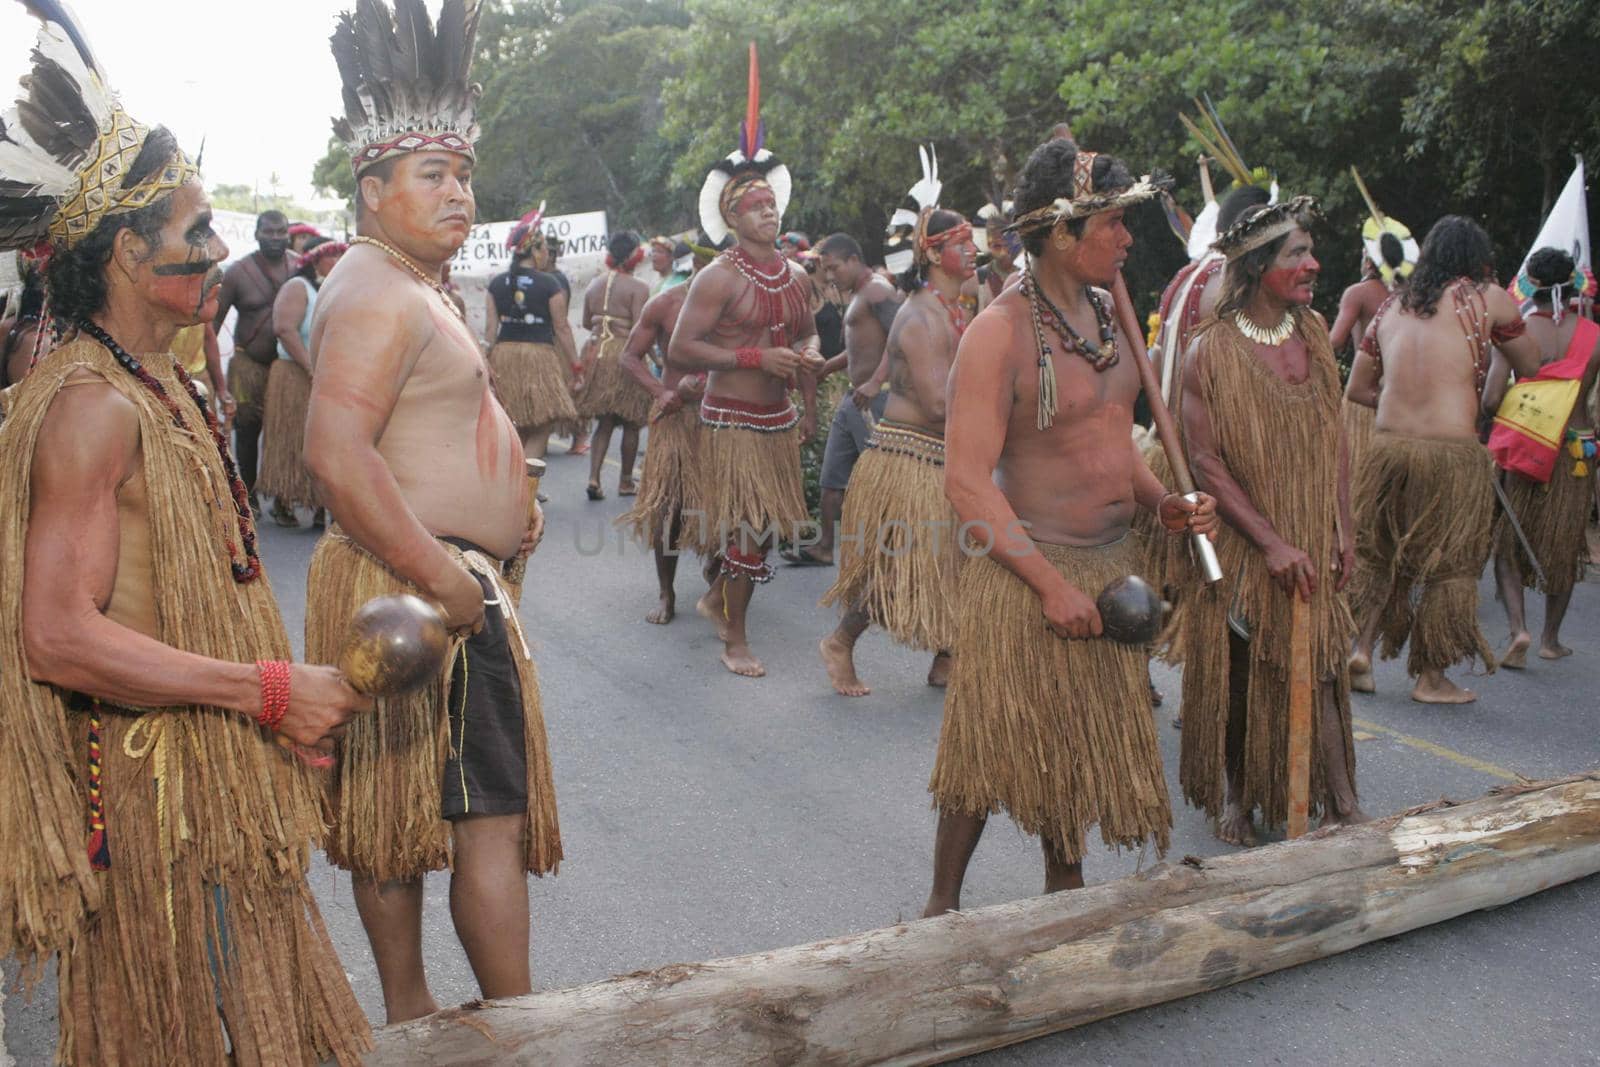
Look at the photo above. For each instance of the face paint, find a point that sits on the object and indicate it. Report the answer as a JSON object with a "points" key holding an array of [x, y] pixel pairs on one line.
{"points": [[1292, 277], [959, 258]]}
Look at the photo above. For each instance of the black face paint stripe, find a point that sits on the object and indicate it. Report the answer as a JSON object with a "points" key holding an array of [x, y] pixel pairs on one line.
{"points": [[171, 270]]}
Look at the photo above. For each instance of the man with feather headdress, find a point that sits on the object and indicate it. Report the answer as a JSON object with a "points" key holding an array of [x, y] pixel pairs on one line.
{"points": [[147, 667], [422, 472], [747, 321]]}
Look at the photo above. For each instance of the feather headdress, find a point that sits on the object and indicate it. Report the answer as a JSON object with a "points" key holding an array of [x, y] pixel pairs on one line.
{"points": [[1373, 230], [527, 232], [67, 145], [1085, 200], [750, 164], [909, 220], [405, 82]]}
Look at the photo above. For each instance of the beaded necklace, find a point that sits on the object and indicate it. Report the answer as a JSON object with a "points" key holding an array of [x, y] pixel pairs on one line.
{"points": [[1100, 357], [1271, 336], [782, 299], [957, 313], [405, 261], [250, 569]]}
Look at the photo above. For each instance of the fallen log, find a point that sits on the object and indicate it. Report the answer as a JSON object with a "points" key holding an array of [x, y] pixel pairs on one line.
{"points": [[935, 989]]}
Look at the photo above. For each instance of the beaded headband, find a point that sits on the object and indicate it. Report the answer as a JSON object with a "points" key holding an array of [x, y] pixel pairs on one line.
{"points": [[1266, 225]]}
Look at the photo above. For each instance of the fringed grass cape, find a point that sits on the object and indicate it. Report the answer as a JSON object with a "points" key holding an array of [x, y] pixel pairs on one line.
{"points": [[1280, 443], [204, 918]]}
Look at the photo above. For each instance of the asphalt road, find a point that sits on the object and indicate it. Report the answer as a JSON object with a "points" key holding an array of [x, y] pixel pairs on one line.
{"points": [[706, 815]]}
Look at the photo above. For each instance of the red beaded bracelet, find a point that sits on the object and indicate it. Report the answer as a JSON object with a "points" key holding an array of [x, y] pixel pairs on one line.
{"points": [[747, 358], [274, 675]]}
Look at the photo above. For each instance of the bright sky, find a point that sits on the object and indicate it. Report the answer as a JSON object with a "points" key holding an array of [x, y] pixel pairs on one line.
{"points": [[256, 80]]}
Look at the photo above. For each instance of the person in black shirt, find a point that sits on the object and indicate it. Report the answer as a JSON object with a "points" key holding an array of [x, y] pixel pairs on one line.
{"points": [[533, 349]]}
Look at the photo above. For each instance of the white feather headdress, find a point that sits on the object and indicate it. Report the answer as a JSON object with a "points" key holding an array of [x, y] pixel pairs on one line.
{"points": [[900, 246], [751, 161], [405, 82]]}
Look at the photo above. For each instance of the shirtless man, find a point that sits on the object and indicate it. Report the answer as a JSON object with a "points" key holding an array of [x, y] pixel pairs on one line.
{"points": [[748, 323], [1003, 248], [1423, 500], [250, 286], [611, 305], [873, 303], [422, 473], [669, 515], [901, 561], [1049, 490], [1554, 513]]}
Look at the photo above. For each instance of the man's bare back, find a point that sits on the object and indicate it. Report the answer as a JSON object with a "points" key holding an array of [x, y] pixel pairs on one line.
{"points": [[920, 349], [452, 449], [1357, 307]]}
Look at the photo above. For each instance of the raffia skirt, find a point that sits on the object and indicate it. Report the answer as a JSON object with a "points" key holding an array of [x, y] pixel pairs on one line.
{"points": [[283, 437], [1359, 426], [200, 947], [1555, 516], [1056, 732], [1424, 517], [669, 488], [247, 381], [899, 557], [611, 391], [532, 384], [1167, 562], [750, 469], [386, 789]]}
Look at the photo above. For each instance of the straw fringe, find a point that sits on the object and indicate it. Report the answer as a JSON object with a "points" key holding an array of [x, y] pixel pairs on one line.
{"points": [[209, 825], [1168, 561], [247, 381], [1359, 424], [669, 488], [385, 790], [751, 478], [1424, 516], [898, 555], [1057, 733], [611, 390], [1555, 517], [1258, 420], [533, 385], [283, 471]]}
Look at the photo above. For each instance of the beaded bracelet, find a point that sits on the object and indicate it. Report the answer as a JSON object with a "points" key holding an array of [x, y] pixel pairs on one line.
{"points": [[747, 358], [274, 675]]}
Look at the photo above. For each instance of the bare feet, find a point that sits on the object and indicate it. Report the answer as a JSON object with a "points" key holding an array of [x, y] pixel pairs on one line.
{"points": [[806, 557], [1361, 680], [939, 670], [1554, 650], [841, 665], [741, 661], [1234, 826], [710, 606], [664, 610], [1440, 690], [1516, 654]]}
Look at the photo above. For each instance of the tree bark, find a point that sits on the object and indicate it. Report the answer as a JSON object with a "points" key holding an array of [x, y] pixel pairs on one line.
{"points": [[935, 989]]}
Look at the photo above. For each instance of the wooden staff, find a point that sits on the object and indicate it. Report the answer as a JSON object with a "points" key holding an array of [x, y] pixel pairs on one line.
{"points": [[1300, 683], [1166, 429], [516, 569]]}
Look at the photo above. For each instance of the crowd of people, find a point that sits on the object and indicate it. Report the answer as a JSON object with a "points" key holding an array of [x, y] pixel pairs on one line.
{"points": [[166, 768]]}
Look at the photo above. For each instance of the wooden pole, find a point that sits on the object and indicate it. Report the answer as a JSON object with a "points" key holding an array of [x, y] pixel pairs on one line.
{"points": [[1166, 428], [937, 989], [1300, 683]]}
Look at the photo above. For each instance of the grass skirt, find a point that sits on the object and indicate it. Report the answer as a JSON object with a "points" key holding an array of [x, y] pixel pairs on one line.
{"points": [[247, 381], [750, 469], [1555, 516], [669, 488], [283, 439], [1057, 733], [1359, 422], [385, 789], [898, 554], [1424, 516], [532, 384], [611, 390]]}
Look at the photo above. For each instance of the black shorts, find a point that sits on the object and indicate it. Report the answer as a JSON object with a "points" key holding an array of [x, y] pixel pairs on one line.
{"points": [[486, 770]]}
